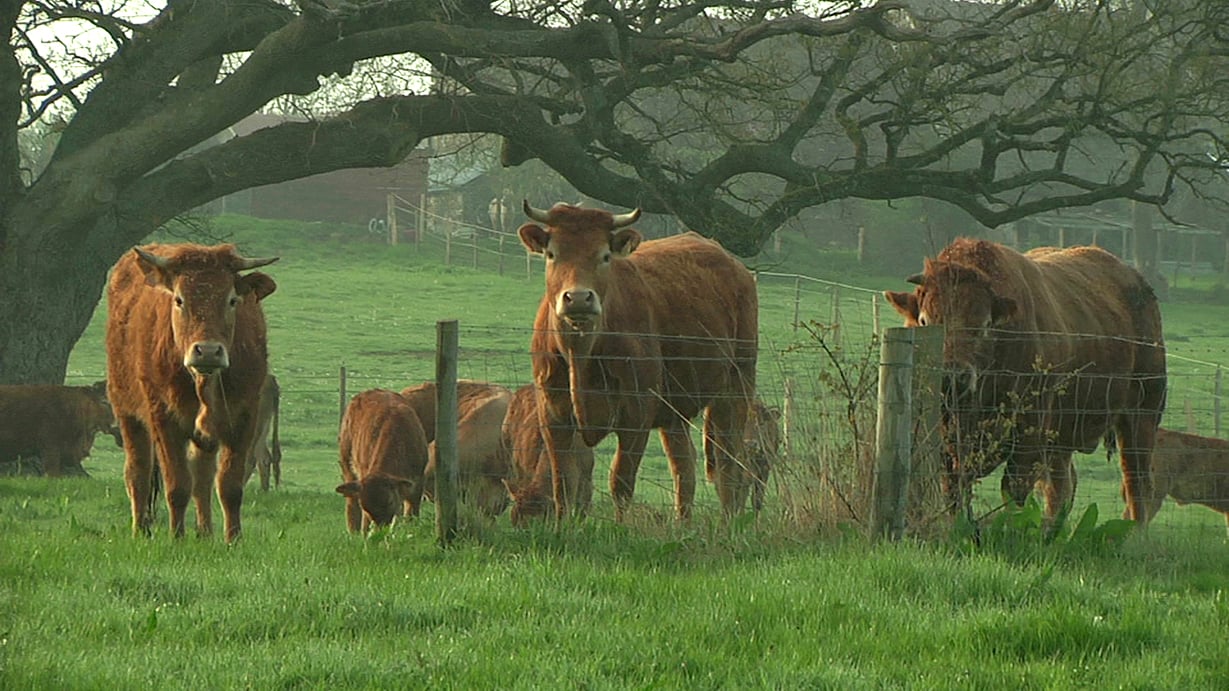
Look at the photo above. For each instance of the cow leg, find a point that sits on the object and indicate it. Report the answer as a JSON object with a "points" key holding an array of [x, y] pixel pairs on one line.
{"points": [[1059, 488], [724, 423], [558, 441], [138, 473], [230, 490], [203, 463], [171, 447], [676, 439], [624, 468], [1136, 436]]}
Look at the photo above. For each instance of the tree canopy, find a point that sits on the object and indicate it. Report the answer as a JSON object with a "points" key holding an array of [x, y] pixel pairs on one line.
{"points": [[733, 116]]}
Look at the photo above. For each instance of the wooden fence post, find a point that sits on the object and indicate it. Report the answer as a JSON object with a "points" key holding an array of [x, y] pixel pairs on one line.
{"points": [[797, 299], [927, 440], [341, 394], [501, 255], [421, 230], [391, 213], [893, 432], [446, 472], [1216, 395], [787, 418], [836, 316]]}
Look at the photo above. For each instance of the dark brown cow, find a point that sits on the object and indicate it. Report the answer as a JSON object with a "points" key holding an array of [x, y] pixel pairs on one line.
{"points": [[530, 484], [632, 336], [1045, 352], [1191, 469], [762, 441], [55, 423], [266, 455], [483, 462], [382, 450], [186, 358]]}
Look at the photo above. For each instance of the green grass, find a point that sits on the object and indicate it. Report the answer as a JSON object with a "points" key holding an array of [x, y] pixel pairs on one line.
{"points": [[788, 601]]}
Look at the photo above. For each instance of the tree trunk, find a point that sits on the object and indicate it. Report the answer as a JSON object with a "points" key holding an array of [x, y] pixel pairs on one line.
{"points": [[1147, 248], [49, 295]]}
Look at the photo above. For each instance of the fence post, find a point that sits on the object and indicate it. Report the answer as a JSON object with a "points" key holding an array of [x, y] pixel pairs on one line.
{"points": [[787, 418], [391, 213], [446, 472], [421, 230], [836, 316], [875, 315], [1216, 395], [927, 441], [892, 434], [501, 255], [797, 299], [341, 394]]}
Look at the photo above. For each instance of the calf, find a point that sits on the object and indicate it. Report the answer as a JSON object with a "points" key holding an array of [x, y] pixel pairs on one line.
{"points": [[531, 485], [382, 452], [55, 423], [762, 441], [1189, 468]]}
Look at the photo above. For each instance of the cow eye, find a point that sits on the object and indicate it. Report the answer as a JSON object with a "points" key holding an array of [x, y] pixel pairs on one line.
{"points": [[606, 257], [550, 256], [234, 300], [179, 301]]}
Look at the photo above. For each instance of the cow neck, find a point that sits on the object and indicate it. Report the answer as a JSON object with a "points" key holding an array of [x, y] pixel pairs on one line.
{"points": [[214, 412]]}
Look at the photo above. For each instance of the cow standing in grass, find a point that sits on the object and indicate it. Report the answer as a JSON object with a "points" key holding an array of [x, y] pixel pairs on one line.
{"points": [[186, 358], [55, 423], [1044, 353], [1189, 468], [633, 335], [382, 451], [530, 485]]}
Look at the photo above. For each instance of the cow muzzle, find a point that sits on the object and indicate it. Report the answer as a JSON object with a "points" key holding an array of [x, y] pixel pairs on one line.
{"points": [[579, 307], [206, 358]]}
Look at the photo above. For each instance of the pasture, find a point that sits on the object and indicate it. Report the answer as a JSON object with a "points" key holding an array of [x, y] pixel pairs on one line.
{"points": [[794, 599]]}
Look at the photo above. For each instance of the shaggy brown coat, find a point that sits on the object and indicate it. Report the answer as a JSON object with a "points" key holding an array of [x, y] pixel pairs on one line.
{"points": [[1191, 469], [55, 423], [762, 440], [266, 455], [382, 451], [633, 335], [530, 484], [1045, 351], [186, 358]]}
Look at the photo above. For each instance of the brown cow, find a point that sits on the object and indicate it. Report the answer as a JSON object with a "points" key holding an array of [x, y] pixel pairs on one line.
{"points": [[632, 336], [530, 485], [266, 453], [1045, 352], [382, 450], [55, 423], [762, 440], [1189, 468], [186, 358], [483, 464]]}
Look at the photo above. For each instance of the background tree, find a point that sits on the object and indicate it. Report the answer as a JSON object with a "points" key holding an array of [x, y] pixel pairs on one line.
{"points": [[732, 116]]}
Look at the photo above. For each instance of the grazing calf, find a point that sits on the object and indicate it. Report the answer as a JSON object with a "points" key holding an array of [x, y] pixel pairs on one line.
{"points": [[266, 453], [530, 484], [186, 358], [55, 423], [1189, 468], [762, 441], [382, 451], [483, 464]]}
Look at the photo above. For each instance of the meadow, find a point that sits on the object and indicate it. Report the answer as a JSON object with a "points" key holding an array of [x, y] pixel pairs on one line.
{"points": [[793, 598]]}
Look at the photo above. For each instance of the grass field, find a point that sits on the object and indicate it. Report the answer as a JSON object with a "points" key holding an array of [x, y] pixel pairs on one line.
{"points": [[785, 601]]}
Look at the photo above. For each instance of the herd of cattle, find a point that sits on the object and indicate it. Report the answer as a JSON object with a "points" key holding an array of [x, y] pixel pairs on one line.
{"points": [[1045, 354]]}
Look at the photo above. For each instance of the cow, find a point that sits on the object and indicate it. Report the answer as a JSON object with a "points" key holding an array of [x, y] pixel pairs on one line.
{"points": [[266, 455], [762, 441], [186, 359], [483, 462], [633, 335], [1043, 353], [382, 451], [1189, 468], [530, 485], [55, 423]]}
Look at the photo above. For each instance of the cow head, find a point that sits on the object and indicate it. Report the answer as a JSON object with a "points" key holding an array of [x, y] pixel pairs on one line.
{"points": [[206, 290], [579, 245], [963, 300], [383, 497]]}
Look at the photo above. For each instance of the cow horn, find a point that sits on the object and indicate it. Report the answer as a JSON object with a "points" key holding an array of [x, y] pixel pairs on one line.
{"points": [[243, 264], [535, 214], [916, 279], [626, 219], [151, 258]]}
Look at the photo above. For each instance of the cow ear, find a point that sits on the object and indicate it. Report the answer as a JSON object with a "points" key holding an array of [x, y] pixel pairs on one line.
{"points": [[350, 489], [905, 303], [534, 237], [624, 241], [262, 285], [1002, 310], [405, 488]]}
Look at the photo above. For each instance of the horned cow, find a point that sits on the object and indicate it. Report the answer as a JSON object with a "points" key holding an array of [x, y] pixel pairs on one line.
{"points": [[634, 335], [186, 358]]}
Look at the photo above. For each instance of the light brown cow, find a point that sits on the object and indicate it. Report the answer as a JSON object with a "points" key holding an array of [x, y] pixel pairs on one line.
{"points": [[762, 440], [382, 450], [1191, 469], [266, 455], [55, 423], [530, 484], [633, 335], [483, 463], [1045, 352], [186, 358]]}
